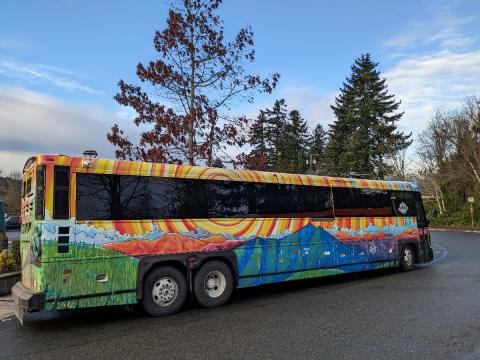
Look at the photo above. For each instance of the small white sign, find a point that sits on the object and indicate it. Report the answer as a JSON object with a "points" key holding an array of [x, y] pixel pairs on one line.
{"points": [[403, 208], [470, 199]]}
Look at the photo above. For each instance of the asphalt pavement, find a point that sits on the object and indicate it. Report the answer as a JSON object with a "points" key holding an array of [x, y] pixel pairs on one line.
{"points": [[432, 312]]}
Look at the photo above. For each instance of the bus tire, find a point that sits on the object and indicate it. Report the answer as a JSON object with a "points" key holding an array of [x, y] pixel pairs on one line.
{"points": [[407, 258], [164, 291], [213, 284]]}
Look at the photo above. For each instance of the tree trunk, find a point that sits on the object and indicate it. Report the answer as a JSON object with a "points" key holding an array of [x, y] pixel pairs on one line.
{"points": [[191, 134], [210, 147], [439, 198], [475, 172]]}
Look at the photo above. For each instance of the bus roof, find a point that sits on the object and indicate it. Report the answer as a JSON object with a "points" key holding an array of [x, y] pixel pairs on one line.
{"points": [[126, 167]]}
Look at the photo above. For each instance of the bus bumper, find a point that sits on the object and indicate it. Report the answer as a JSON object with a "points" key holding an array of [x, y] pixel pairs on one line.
{"points": [[430, 254], [26, 300]]}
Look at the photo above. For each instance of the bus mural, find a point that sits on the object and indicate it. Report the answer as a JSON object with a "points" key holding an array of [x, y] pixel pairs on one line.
{"points": [[110, 232]]}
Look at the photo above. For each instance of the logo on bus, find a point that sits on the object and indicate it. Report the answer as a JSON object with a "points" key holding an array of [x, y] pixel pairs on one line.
{"points": [[403, 208]]}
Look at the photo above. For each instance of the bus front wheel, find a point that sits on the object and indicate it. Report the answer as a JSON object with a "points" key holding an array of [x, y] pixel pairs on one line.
{"points": [[164, 291], [213, 284], [407, 258]]}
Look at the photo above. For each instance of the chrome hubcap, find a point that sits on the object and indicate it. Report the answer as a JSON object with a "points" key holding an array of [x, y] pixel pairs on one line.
{"points": [[164, 291], [408, 256], [214, 283]]}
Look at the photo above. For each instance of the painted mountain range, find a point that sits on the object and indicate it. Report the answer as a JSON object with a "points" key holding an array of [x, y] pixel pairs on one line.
{"points": [[173, 243]]}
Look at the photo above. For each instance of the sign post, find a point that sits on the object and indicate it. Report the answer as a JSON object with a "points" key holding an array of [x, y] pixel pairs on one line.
{"points": [[471, 199], [3, 236]]}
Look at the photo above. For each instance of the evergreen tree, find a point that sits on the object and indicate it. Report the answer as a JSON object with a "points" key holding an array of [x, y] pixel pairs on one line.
{"points": [[218, 163], [257, 135], [294, 144], [275, 127], [317, 142], [364, 135]]}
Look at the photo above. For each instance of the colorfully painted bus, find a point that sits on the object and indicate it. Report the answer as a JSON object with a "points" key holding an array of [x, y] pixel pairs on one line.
{"points": [[110, 232]]}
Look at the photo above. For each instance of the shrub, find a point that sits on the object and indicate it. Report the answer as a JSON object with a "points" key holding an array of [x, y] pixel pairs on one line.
{"points": [[15, 250], [10, 260]]}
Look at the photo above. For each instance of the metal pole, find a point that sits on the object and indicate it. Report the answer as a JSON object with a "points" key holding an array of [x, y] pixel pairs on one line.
{"points": [[471, 213], [3, 235]]}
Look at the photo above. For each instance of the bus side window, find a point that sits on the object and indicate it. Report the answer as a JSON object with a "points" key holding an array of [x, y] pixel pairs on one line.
{"points": [[230, 198], [293, 200], [403, 203], [40, 193], [27, 186], [375, 202], [175, 198], [60, 192], [346, 202], [421, 216]]}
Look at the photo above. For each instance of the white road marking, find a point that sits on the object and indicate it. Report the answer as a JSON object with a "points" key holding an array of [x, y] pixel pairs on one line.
{"points": [[443, 255]]}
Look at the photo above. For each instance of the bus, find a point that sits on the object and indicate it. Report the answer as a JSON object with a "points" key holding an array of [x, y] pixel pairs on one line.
{"points": [[99, 232]]}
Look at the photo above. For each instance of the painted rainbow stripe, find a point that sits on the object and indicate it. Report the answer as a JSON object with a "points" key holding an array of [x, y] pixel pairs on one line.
{"points": [[124, 167]]}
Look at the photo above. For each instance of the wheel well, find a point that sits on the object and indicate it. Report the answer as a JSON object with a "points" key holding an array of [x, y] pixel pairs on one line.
{"points": [[182, 264], [155, 265], [176, 264]]}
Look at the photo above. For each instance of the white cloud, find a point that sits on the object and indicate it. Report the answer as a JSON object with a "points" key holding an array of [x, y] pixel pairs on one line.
{"points": [[33, 123], [313, 106], [40, 73], [437, 63], [426, 82], [442, 29]]}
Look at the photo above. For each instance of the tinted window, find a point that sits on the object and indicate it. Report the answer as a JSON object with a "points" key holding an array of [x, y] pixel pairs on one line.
{"points": [[230, 198], [346, 202], [293, 200], [134, 197], [177, 198], [40, 193], [404, 203], [115, 197], [376, 202], [421, 217], [98, 197], [60, 192], [27, 186]]}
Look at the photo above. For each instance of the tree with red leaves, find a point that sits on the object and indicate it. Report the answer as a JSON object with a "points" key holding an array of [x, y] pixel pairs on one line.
{"points": [[199, 75]]}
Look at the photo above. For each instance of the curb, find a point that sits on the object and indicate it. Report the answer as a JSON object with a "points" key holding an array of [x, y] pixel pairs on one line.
{"points": [[456, 230], [6, 307]]}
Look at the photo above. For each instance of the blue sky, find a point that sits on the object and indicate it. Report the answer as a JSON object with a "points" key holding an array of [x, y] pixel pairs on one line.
{"points": [[60, 61]]}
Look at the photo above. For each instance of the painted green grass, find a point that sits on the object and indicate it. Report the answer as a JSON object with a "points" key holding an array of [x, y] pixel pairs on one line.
{"points": [[314, 273], [86, 262]]}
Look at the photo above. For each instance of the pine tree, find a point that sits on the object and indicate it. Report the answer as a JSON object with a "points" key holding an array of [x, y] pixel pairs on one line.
{"points": [[317, 143], [218, 163], [257, 135], [276, 123], [318, 140], [256, 159], [294, 144], [364, 135]]}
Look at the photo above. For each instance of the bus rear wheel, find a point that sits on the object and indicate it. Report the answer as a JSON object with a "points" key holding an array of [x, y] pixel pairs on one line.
{"points": [[164, 291], [407, 258], [213, 284]]}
